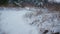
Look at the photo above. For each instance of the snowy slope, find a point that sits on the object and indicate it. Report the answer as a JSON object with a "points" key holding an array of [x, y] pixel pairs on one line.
{"points": [[12, 22]]}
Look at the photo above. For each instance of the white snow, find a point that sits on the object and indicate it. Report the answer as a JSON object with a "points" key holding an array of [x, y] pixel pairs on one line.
{"points": [[44, 20], [13, 23], [29, 21], [56, 1]]}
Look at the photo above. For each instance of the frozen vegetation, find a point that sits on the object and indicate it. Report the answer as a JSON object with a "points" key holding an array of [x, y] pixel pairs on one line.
{"points": [[29, 21]]}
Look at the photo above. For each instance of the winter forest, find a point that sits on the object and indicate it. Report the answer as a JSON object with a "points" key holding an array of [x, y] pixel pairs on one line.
{"points": [[29, 16]]}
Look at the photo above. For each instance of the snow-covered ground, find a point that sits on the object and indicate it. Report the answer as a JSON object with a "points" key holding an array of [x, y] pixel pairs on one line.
{"points": [[29, 21], [12, 22], [44, 20]]}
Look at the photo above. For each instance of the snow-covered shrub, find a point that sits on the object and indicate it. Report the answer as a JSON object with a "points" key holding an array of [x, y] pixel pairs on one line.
{"points": [[47, 21]]}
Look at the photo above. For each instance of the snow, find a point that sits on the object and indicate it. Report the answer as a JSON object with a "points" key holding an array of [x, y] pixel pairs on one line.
{"points": [[56, 1], [12, 22], [44, 20], [29, 21]]}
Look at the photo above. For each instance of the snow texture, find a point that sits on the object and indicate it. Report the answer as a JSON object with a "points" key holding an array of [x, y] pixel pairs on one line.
{"points": [[12, 22], [29, 21], [45, 20]]}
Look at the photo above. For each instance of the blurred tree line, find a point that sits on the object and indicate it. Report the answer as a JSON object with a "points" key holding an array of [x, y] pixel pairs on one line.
{"points": [[3, 2], [35, 2]]}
